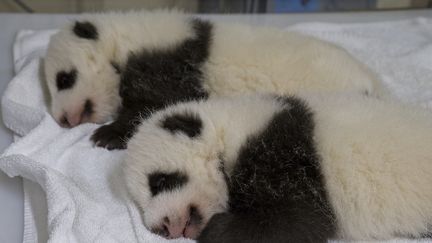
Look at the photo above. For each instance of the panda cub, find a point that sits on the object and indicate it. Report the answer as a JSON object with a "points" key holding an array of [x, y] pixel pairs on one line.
{"points": [[123, 66], [284, 169]]}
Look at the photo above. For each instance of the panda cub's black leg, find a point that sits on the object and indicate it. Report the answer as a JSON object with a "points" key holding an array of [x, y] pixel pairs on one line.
{"points": [[220, 228], [115, 135], [111, 136], [289, 223]]}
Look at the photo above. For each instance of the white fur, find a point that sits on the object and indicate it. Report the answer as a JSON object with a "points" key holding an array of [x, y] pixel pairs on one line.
{"points": [[376, 160], [242, 59]]}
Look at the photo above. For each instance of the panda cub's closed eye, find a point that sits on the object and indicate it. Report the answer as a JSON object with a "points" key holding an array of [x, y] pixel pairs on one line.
{"points": [[187, 123], [66, 80], [160, 181]]}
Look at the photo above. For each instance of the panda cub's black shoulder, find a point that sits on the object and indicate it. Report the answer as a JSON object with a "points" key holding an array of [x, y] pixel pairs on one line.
{"points": [[153, 79], [168, 76], [276, 190]]}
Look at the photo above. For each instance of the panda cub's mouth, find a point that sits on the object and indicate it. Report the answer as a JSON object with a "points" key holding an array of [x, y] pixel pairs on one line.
{"points": [[73, 119], [187, 227]]}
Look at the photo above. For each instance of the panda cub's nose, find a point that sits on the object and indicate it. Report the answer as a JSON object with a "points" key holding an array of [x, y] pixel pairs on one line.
{"points": [[174, 229], [187, 226], [72, 119]]}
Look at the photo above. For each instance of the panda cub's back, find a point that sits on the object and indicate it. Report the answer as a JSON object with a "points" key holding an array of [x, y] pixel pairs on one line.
{"points": [[377, 162], [284, 62]]}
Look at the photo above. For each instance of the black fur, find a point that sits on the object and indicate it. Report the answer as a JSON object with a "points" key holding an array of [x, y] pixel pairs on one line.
{"points": [[186, 123], [153, 79], [276, 190], [66, 80], [88, 108], [195, 217], [85, 30], [160, 181]]}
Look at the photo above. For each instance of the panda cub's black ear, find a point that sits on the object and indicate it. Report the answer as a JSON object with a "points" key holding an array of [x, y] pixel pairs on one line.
{"points": [[187, 123], [85, 30]]}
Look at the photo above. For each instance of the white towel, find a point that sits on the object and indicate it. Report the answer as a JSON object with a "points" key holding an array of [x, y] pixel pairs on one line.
{"points": [[84, 188], [400, 52]]}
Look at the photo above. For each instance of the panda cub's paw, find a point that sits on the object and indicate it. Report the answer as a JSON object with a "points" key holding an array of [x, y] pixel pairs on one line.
{"points": [[110, 137]]}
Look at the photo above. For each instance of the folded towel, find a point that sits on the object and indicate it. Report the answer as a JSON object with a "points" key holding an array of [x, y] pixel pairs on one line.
{"points": [[84, 186], [85, 191], [23, 103]]}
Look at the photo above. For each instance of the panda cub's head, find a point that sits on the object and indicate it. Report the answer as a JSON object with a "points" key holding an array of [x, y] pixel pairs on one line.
{"points": [[174, 172], [81, 78]]}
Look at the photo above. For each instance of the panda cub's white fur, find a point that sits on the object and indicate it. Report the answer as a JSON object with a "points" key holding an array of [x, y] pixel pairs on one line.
{"points": [[374, 157], [240, 59]]}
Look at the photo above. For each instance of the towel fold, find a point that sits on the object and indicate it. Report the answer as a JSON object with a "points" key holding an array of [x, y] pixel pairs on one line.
{"points": [[85, 192], [24, 101]]}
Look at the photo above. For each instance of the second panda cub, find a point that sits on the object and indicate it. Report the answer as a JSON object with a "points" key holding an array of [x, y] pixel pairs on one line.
{"points": [[284, 169]]}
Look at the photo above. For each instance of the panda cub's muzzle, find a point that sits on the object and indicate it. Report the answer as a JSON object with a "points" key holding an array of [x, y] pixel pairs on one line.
{"points": [[187, 225], [74, 118]]}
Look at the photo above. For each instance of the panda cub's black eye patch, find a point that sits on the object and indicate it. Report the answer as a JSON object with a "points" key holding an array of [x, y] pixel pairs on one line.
{"points": [[160, 181], [66, 80], [186, 123], [85, 30]]}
